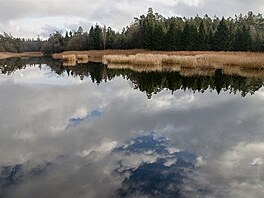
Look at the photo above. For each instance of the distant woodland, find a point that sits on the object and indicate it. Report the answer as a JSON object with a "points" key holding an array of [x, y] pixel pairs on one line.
{"points": [[154, 32]]}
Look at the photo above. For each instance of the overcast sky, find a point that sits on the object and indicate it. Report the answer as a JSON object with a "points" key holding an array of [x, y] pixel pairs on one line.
{"points": [[29, 18]]}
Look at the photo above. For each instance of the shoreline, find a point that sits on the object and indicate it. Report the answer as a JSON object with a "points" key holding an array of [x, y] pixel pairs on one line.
{"points": [[4, 55], [144, 58]]}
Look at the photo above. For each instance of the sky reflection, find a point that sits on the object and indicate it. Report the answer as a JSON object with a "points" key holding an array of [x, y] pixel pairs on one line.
{"points": [[65, 137]]}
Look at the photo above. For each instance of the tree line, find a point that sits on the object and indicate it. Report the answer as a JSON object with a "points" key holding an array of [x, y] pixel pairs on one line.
{"points": [[147, 82], [155, 32]]}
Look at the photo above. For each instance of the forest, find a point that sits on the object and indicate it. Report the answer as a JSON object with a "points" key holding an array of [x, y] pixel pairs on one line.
{"points": [[154, 32]]}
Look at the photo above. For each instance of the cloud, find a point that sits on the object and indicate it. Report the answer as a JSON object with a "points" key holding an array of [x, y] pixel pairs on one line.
{"points": [[238, 172], [225, 130], [27, 18]]}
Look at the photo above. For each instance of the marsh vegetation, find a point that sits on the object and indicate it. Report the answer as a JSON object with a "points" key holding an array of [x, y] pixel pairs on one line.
{"points": [[204, 60]]}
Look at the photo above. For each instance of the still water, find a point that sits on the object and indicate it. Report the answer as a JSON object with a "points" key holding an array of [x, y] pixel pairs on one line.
{"points": [[96, 131]]}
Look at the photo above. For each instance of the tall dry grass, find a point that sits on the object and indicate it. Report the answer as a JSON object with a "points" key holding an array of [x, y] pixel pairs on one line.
{"points": [[4, 55], [183, 61], [137, 68], [117, 59], [82, 58], [187, 59], [210, 60], [69, 60], [147, 59], [231, 70], [252, 73], [189, 72]]}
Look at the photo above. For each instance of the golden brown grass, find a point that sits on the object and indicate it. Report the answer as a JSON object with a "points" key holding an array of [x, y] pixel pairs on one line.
{"points": [[247, 60], [193, 60], [82, 58], [73, 59], [147, 59], [97, 55], [69, 63], [117, 59], [231, 70], [171, 67], [188, 72], [187, 59], [69, 60], [137, 68], [251, 73], [4, 55]]}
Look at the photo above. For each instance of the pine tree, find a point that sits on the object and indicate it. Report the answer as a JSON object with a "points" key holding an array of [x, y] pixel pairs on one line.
{"points": [[185, 38], [221, 38], [201, 37]]}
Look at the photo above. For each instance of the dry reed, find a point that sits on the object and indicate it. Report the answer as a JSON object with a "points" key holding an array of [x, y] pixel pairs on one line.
{"points": [[69, 63], [4, 55], [189, 72], [189, 59], [252, 73], [69, 60], [137, 68], [82, 58], [183, 61], [170, 68], [147, 59], [231, 70], [117, 59]]}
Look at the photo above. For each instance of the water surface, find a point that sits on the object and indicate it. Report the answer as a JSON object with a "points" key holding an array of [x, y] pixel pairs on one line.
{"points": [[94, 131]]}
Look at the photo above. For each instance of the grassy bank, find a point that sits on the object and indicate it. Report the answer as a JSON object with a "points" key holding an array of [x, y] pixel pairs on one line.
{"points": [[4, 55], [96, 55], [212, 60], [188, 59]]}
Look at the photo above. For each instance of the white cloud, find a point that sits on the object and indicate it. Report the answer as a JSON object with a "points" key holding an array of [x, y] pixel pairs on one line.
{"points": [[239, 171], [27, 18], [33, 75], [100, 150]]}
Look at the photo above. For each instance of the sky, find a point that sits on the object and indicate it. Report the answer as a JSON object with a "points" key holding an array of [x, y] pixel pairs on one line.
{"points": [[29, 18], [226, 130]]}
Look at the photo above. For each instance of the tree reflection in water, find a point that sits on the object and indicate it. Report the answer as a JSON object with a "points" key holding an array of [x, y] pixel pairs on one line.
{"points": [[151, 82]]}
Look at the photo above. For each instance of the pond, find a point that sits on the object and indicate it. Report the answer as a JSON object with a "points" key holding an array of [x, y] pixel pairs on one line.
{"points": [[97, 131]]}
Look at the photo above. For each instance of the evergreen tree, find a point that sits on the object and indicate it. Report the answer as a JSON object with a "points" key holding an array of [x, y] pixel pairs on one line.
{"points": [[185, 38], [201, 42], [221, 38], [246, 39], [172, 40]]}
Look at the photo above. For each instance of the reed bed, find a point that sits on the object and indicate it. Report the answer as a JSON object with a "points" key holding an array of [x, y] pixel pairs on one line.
{"points": [[117, 59], [71, 57], [82, 58], [137, 68], [69, 60], [210, 60], [252, 73], [189, 72], [185, 59], [119, 66], [69, 63], [4, 55], [253, 62], [250, 60], [231, 70], [147, 59], [171, 68]]}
